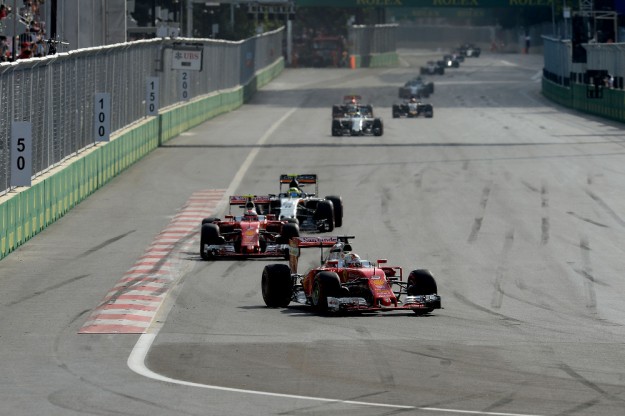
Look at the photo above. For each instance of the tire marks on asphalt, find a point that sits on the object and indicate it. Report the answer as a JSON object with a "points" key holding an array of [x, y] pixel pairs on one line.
{"points": [[587, 273], [133, 303], [477, 222], [544, 227], [606, 208], [502, 268]]}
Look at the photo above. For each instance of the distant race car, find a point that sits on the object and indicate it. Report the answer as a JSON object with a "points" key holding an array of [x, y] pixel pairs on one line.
{"points": [[416, 87], [355, 119], [470, 50], [350, 106], [346, 283], [247, 235], [449, 61], [413, 108], [432, 68], [309, 211]]}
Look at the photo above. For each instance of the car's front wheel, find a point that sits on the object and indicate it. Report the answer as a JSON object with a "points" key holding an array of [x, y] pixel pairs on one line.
{"points": [[325, 284], [277, 285]]}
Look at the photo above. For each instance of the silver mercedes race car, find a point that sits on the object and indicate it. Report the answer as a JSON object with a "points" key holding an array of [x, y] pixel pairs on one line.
{"points": [[357, 121]]}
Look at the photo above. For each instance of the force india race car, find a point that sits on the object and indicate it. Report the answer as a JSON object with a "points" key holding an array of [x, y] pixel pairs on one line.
{"points": [[355, 119], [346, 283], [309, 211], [413, 108], [247, 235]]}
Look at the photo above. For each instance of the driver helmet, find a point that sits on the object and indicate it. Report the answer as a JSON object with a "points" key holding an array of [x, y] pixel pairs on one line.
{"points": [[413, 100], [250, 215], [294, 192], [352, 260]]}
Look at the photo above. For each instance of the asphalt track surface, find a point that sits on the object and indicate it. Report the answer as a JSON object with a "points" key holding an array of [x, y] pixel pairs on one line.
{"points": [[515, 204]]}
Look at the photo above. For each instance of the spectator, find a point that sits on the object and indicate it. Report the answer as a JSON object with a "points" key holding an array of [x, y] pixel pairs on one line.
{"points": [[527, 43], [5, 52], [25, 52]]}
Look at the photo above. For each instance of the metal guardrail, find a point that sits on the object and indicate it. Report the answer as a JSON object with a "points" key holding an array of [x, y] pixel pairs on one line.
{"points": [[370, 40], [56, 93], [600, 57]]}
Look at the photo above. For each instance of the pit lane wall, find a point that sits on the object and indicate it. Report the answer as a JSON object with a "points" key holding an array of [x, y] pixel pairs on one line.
{"points": [[24, 212], [583, 86]]}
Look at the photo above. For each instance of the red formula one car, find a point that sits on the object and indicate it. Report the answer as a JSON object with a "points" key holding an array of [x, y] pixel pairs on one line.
{"points": [[346, 283], [247, 235]]}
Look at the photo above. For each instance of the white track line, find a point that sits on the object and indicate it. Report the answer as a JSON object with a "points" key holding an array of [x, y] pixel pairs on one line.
{"points": [[136, 360]]}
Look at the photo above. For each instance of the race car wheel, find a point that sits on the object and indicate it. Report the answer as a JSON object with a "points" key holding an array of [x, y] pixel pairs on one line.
{"points": [[325, 211], [396, 111], [209, 235], [337, 203], [421, 282], [325, 284], [277, 285], [336, 128], [289, 230], [378, 127], [210, 220]]}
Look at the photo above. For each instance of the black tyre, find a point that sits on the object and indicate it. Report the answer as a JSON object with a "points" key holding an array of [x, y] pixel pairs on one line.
{"points": [[337, 204], [336, 128], [209, 235], [325, 284], [421, 282], [396, 111], [210, 220], [378, 127], [325, 211], [289, 230], [277, 285]]}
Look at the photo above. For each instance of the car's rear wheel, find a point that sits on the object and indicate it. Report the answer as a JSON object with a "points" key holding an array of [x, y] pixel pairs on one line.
{"points": [[277, 285], [378, 127], [337, 204], [325, 284], [325, 211], [289, 230]]}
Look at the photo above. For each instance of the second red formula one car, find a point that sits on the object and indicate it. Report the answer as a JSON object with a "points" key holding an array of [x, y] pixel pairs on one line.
{"points": [[247, 235], [346, 283]]}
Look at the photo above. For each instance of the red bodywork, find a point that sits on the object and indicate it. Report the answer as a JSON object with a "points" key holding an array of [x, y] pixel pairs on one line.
{"points": [[371, 281], [243, 236]]}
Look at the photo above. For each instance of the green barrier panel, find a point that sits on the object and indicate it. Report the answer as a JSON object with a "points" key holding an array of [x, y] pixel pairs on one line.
{"points": [[11, 208], [3, 230]]}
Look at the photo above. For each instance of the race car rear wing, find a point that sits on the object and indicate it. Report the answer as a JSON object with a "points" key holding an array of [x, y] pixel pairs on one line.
{"points": [[296, 243], [260, 202], [302, 180]]}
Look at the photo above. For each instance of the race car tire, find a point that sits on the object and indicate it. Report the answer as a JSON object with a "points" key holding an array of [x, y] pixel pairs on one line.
{"points": [[378, 127], [325, 211], [337, 204], [421, 282], [277, 285], [429, 113], [336, 128], [396, 112], [210, 220], [209, 235], [325, 284], [289, 230]]}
